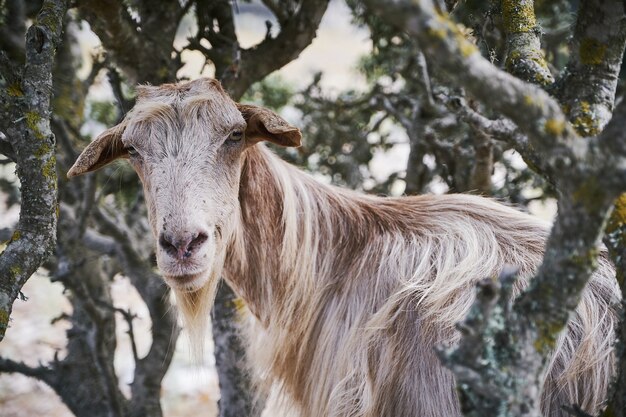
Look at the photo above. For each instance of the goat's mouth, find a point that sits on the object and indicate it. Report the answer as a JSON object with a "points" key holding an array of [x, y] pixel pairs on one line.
{"points": [[187, 282]]}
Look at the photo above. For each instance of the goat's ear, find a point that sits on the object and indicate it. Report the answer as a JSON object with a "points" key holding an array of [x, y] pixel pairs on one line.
{"points": [[103, 150], [264, 124]]}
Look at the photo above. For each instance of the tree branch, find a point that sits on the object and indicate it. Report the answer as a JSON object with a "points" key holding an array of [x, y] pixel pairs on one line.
{"points": [[587, 88], [480, 180], [294, 36], [525, 59], [502, 129], [34, 145], [40, 372], [537, 114], [143, 58]]}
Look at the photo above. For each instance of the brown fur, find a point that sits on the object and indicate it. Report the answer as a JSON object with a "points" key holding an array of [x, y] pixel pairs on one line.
{"points": [[349, 294]]}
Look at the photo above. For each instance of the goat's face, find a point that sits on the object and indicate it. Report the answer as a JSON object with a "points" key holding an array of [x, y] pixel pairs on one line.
{"points": [[186, 142]]}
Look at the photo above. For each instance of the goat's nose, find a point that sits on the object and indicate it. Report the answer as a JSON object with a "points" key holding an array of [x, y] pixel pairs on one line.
{"points": [[182, 247]]}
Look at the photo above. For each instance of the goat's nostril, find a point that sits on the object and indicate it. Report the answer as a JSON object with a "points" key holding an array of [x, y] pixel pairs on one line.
{"points": [[196, 242], [167, 245], [181, 248]]}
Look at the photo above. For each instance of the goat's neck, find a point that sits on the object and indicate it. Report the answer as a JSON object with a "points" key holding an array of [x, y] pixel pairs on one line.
{"points": [[294, 236], [256, 261]]}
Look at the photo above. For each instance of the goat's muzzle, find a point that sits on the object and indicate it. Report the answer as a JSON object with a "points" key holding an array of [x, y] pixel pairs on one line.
{"points": [[183, 246]]}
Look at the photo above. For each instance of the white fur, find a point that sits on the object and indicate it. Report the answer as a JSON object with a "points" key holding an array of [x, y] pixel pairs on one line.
{"points": [[349, 294]]}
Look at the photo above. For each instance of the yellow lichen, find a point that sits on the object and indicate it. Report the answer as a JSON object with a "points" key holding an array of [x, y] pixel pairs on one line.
{"points": [[591, 51], [620, 209], [4, 320], [515, 55], [439, 33], [16, 235], [590, 194], [15, 90], [518, 16], [530, 65], [49, 170], [532, 101], [587, 259], [542, 79], [585, 106], [618, 217], [467, 48], [584, 120], [47, 17], [528, 100], [546, 337], [32, 122], [239, 304], [14, 271], [555, 127], [43, 150], [240, 308], [539, 59]]}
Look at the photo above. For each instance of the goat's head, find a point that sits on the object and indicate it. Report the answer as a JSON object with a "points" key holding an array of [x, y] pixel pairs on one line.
{"points": [[186, 142]]}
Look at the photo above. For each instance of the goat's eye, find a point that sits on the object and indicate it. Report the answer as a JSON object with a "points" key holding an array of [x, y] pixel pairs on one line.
{"points": [[132, 152], [235, 136]]}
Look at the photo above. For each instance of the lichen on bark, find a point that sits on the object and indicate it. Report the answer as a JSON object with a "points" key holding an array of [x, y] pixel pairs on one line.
{"points": [[28, 105], [525, 58]]}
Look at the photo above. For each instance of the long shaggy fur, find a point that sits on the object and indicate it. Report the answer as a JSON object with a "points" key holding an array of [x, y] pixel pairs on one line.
{"points": [[352, 293], [349, 294]]}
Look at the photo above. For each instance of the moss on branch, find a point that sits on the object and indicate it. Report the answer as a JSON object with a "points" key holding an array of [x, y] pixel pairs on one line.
{"points": [[525, 58], [588, 85], [28, 101]]}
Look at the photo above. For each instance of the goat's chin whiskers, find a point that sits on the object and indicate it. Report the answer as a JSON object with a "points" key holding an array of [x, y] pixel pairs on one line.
{"points": [[194, 306], [195, 300]]}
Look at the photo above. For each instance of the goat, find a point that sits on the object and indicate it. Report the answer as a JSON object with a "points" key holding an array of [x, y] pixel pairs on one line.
{"points": [[349, 293]]}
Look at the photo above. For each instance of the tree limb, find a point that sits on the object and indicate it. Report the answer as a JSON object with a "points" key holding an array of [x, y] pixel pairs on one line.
{"points": [[537, 114], [40, 372], [525, 59], [34, 145], [587, 88], [143, 58], [500, 129], [294, 36]]}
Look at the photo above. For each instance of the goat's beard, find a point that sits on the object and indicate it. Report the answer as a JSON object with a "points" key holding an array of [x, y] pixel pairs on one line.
{"points": [[194, 307]]}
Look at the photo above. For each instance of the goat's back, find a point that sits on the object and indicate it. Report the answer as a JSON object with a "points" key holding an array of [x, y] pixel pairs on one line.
{"points": [[380, 282]]}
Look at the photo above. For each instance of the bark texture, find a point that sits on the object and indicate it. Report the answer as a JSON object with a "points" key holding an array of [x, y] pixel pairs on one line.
{"points": [[525, 58], [25, 103]]}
